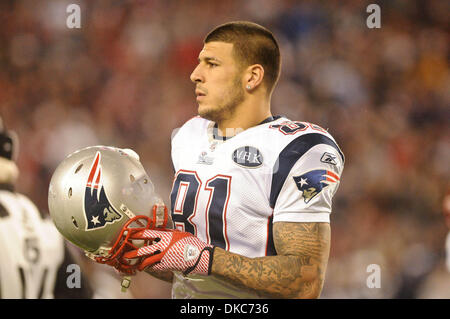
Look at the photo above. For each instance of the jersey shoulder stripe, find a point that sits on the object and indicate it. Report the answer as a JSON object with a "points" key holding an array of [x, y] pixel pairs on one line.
{"points": [[291, 154]]}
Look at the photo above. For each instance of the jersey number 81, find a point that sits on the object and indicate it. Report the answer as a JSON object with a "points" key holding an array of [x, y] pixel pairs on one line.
{"points": [[186, 189]]}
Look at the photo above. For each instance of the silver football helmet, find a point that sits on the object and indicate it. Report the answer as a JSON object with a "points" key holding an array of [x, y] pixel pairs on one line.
{"points": [[96, 192]]}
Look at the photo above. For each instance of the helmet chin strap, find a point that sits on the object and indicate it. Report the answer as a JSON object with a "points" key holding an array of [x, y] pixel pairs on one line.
{"points": [[160, 214], [124, 209]]}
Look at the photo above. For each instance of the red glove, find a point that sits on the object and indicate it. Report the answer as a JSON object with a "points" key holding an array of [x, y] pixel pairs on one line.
{"points": [[172, 250], [124, 242]]}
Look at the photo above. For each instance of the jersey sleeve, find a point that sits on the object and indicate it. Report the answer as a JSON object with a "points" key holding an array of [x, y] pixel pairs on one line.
{"points": [[308, 183]]}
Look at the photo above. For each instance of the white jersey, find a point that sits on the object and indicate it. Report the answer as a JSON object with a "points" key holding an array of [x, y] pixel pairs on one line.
{"points": [[229, 192], [31, 249]]}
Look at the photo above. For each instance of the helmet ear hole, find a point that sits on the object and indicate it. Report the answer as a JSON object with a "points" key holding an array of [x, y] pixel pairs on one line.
{"points": [[74, 221], [70, 192]]}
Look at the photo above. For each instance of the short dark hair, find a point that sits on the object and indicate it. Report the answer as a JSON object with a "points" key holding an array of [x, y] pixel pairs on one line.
{"points": [[252, 44]]}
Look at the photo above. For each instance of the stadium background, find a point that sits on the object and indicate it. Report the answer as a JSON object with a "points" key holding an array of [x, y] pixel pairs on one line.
{"points": [[123, 80]]}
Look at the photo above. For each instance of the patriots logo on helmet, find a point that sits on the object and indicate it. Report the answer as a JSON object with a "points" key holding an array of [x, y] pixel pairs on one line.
{"points": [[313, 182], [97, 208]]}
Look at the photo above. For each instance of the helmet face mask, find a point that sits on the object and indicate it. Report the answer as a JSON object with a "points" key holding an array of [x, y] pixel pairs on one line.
{"points": [[95, 191]]}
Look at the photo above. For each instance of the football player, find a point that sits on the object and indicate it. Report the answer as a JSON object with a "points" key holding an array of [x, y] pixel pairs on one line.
{"points": [[252, 192], [34, 261]]}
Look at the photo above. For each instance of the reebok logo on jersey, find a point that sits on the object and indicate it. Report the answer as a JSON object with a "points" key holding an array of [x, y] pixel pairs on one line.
{"points": [[247, 156], [313, 182], [97, 208], [328, 158]]}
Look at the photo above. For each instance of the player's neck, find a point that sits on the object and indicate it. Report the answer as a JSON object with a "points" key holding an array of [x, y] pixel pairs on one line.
{"points": [[247, 115]]}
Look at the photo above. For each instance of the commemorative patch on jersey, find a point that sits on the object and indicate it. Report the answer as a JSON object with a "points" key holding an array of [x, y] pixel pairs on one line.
{"points": [[247, 156], [313, 182], [97, 208]]}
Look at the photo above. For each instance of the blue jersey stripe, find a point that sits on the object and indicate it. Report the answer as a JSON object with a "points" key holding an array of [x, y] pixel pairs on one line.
{"points": [[290, 155]]}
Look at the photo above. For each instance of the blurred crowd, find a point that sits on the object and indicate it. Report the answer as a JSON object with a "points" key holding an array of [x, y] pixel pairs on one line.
{"points": [[122, 79]]}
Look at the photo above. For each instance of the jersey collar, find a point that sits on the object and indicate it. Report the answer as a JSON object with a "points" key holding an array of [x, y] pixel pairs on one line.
{"points": [[217, 137]]}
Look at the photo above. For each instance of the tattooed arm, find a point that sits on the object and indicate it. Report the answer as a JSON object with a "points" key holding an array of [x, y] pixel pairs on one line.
{"points": [[297, 271]]}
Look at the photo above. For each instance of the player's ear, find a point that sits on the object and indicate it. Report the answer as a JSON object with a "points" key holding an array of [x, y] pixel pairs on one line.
{"points": [[253, 77]]}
